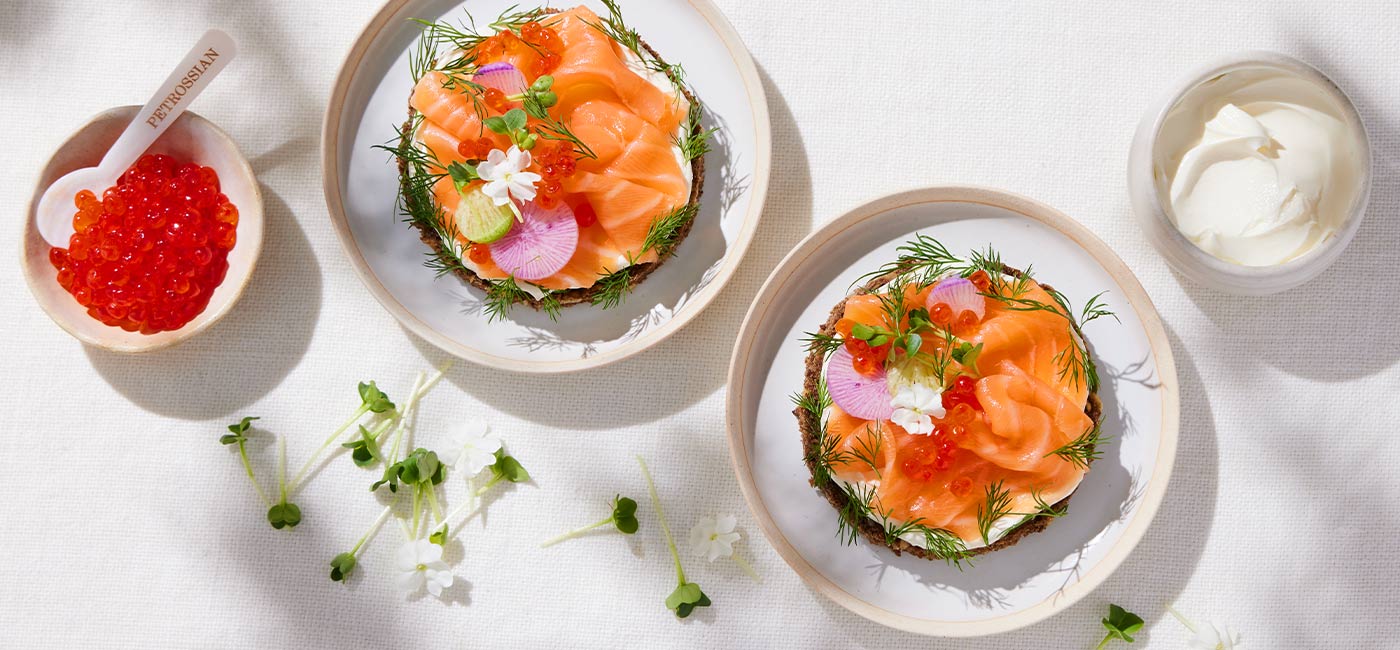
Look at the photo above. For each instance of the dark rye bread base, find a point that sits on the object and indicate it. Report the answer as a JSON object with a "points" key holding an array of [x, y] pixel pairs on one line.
{"points": [[639, 272], [871, 531]]}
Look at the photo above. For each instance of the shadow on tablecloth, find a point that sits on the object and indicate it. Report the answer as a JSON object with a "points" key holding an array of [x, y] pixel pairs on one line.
{"points": [[245, 355]]}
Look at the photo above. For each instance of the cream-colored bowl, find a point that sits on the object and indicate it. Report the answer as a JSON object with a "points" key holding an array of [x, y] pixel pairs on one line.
{"points": [[1149, 192], [190, 138]]}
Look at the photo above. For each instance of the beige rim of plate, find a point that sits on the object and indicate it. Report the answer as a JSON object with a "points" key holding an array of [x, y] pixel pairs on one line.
{"points": [[330, 175], [1133, 292]]}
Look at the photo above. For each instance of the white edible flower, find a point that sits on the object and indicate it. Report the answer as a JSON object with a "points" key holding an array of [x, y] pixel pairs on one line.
{"points": [[505, 176], [420, 563], [473, 449], [915, 406], [714, 537], [1210, 637]]}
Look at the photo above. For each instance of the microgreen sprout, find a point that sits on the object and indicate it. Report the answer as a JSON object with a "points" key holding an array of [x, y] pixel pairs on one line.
{"points": [[623, 518], [687, 595], [512, 125], [1121, 624], [343, 564], [506, 468], [364, 450], [238, 435], [372, 400], [283, 514]]}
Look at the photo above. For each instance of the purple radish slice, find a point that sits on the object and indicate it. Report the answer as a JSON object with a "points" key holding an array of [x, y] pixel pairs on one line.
{"points": [[501, 76], [960, 294], [538, 246], [863, 396]]}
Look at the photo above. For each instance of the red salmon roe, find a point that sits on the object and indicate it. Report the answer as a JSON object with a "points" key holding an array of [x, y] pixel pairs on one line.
{"points": [[961, 413], [867, 364], [961, 486], [961, 392], [584, 215], [981, 280], [496, 100], [941, 314], [147, 256], [966, 320], [475, 149], [479, 253], [928, 455]]}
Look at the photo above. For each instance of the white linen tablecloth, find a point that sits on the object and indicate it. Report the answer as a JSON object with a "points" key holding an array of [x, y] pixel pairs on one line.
{"points": [[126, 524]]}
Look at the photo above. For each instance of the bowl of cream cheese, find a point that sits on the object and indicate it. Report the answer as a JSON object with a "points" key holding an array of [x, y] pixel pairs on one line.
{"points": [[1252, 175]]}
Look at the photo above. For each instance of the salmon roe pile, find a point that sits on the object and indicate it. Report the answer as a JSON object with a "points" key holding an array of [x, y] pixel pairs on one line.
{"points": [[147, 256], [543, 41], [555, 164], [932, 454]]}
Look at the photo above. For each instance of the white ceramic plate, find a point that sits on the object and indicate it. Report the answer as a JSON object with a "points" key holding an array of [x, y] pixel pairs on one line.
{"points": [[1046, 572], [370, 97]]}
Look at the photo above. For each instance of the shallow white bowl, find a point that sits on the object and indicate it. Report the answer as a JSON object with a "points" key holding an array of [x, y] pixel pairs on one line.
{"points": [[189, 138], [1010, 588], [1148, 191], [369, 100]]}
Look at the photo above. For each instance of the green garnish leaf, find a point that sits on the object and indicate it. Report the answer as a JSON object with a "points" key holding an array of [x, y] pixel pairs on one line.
{"points": [[440, 536], [462, 173], [284, 515], [508, 468], [967, 354], [879, 340], [374, 399], [686, 598], [1121, 624], [862, 331], [364, 451], [624, 514], [342, 565], [912, 343], [515, 119], [237, 432], [497, 125]]}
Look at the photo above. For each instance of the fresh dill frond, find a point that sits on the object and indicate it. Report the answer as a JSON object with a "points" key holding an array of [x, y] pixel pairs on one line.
{"points": [[866, 449], [613, 287], [550, 305], [665, 230], [817, 341], [996, 505], [860, 500], [941, 544], [501, 296], [1094, 309], [614, 27], [1084, 449], [696, 141]]}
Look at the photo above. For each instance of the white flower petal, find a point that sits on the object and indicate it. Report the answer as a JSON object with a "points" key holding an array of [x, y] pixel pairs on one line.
{"points": [[406, 559], [409, 581], [496, 158], [724, 524], [429, 554], [700, 535]]}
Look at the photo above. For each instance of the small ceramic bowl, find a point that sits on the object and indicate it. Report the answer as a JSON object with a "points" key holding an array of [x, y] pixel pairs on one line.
{"points": [[1148, 187], [190, 138]]}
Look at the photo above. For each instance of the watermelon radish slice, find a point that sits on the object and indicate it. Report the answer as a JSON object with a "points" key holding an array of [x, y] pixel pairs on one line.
{"points": [[539, 245], [501, 76], [479, 219], [960, 294], [864, 396]]}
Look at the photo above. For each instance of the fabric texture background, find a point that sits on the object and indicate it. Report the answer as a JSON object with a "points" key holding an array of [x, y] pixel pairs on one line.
{"points": [[127, 525]]}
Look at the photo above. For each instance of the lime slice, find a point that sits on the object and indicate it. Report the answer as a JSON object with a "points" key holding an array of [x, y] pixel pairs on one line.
{"points": [[480, 220]]}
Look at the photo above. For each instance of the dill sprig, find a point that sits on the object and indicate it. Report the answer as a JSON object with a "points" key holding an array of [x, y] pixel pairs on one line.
{"points": [[1084, 449], [613, 287], [923, 257], [502, 295], [614, 27], [696, 141], [867, 449], [550, 128], [664, 231], [995, 505], [818, 341]]}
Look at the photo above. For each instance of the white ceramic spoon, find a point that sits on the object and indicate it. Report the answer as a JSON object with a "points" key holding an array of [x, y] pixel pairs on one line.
{"points": [[209, 56]]}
